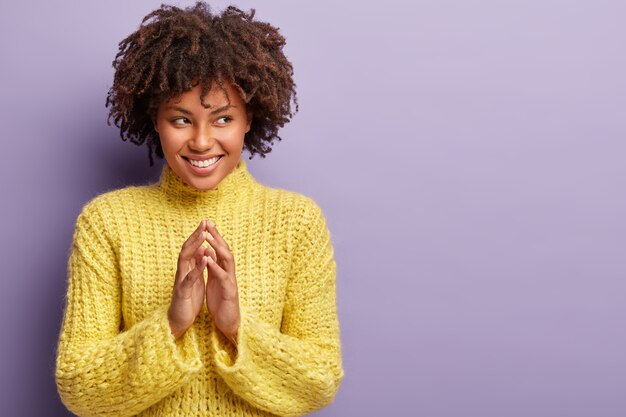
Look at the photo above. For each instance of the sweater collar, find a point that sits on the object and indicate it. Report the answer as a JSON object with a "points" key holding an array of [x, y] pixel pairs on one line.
{"points": [[237, 181]]}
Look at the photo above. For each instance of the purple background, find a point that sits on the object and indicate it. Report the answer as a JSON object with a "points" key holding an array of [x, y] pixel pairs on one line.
{"points": [[468, 155]]}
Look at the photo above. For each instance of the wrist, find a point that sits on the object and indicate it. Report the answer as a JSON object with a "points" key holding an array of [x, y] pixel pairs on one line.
{"points": [[176, 331], [231, 337]]}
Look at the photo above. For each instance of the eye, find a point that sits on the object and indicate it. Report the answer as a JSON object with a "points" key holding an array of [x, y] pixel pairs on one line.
{"points": [[180, 121], [224, 120]]}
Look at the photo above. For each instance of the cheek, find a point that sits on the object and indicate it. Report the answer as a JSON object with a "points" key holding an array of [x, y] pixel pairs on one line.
{"points": [[171, 140], [233, 137]]}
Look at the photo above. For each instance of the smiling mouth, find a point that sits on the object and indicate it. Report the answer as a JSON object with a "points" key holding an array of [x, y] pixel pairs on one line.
{"points": [[203, 163]]}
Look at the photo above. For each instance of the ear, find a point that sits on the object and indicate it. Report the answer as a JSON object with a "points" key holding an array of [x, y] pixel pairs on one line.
{"points": [[154, 124], [249, 114]]}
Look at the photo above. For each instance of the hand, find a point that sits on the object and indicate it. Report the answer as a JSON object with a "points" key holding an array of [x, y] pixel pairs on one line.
{"points": [[222, 296], [189, 288]]}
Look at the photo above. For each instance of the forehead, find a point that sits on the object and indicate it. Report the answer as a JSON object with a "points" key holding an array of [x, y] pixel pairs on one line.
{"points": [[217, 96]]}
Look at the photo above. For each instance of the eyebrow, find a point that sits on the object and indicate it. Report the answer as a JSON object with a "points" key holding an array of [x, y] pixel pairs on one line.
{"points": [[185, 111]]}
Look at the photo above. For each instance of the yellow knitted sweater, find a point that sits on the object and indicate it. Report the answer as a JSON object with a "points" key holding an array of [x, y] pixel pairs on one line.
{"points": [[116, 355]]}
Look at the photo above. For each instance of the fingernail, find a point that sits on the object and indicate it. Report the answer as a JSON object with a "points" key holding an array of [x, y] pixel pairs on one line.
{"points": [[210, 223], [211, 236]]}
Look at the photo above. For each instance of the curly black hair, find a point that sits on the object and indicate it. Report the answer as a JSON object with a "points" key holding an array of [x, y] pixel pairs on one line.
{"points": [[176, 49]]}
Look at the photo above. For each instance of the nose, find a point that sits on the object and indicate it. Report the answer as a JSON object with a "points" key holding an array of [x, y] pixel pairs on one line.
{"points": [[202, 140]]}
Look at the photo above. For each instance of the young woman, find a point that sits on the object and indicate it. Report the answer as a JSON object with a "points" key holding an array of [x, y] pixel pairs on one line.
{"points": [[136, 339]]}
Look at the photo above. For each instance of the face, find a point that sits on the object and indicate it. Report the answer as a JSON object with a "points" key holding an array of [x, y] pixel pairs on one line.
{"points": [[203, 145]]}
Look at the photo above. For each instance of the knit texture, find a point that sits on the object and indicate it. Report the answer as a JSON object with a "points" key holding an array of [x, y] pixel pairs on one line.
{"points": [[116, 355]]}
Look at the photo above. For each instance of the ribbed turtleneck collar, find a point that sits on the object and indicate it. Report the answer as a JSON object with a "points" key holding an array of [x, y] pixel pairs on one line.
{"points": [[237, 181]]}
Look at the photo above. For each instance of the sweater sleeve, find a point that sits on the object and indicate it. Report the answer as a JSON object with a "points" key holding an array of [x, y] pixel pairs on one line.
{"points": [[100, 370], [297, 369]]}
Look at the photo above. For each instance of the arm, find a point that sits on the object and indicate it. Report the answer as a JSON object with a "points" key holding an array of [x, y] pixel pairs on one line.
{"points": [[101, 371], [298, 369]]}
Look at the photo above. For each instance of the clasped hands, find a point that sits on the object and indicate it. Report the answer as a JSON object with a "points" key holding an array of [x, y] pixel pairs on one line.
{"points": [[220, 291]]}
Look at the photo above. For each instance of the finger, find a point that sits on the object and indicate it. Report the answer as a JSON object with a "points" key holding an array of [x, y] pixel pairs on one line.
{"points": [[188, 256], [198, 254], [215, 233], [222, 249], [211, 253], [216, 271], [192, 243], [195, 273], [228, 282], [224, 256], [197, 232], [183, 270]]}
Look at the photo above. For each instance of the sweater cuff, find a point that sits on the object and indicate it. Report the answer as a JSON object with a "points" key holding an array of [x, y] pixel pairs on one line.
{"points": [[227, 356], [185, 352]]}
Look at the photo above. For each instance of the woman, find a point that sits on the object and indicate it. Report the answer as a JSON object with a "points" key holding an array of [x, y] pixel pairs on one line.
{"points": [[198, 88]]}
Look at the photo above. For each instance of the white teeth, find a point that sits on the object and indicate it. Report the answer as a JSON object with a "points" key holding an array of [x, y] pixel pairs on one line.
{"points": [[205, 163]]}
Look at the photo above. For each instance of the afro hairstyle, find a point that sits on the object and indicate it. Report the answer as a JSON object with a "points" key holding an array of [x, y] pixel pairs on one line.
{"points": [[176, 49]]}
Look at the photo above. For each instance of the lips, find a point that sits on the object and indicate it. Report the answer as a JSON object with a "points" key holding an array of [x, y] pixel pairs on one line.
{"points": [[202, 158], [201, 166]]}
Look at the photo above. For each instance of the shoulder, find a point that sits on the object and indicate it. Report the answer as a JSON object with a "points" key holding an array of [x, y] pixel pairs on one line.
{"points": [[299, 213], [102, 213], [296, 205], [119, 200]]}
